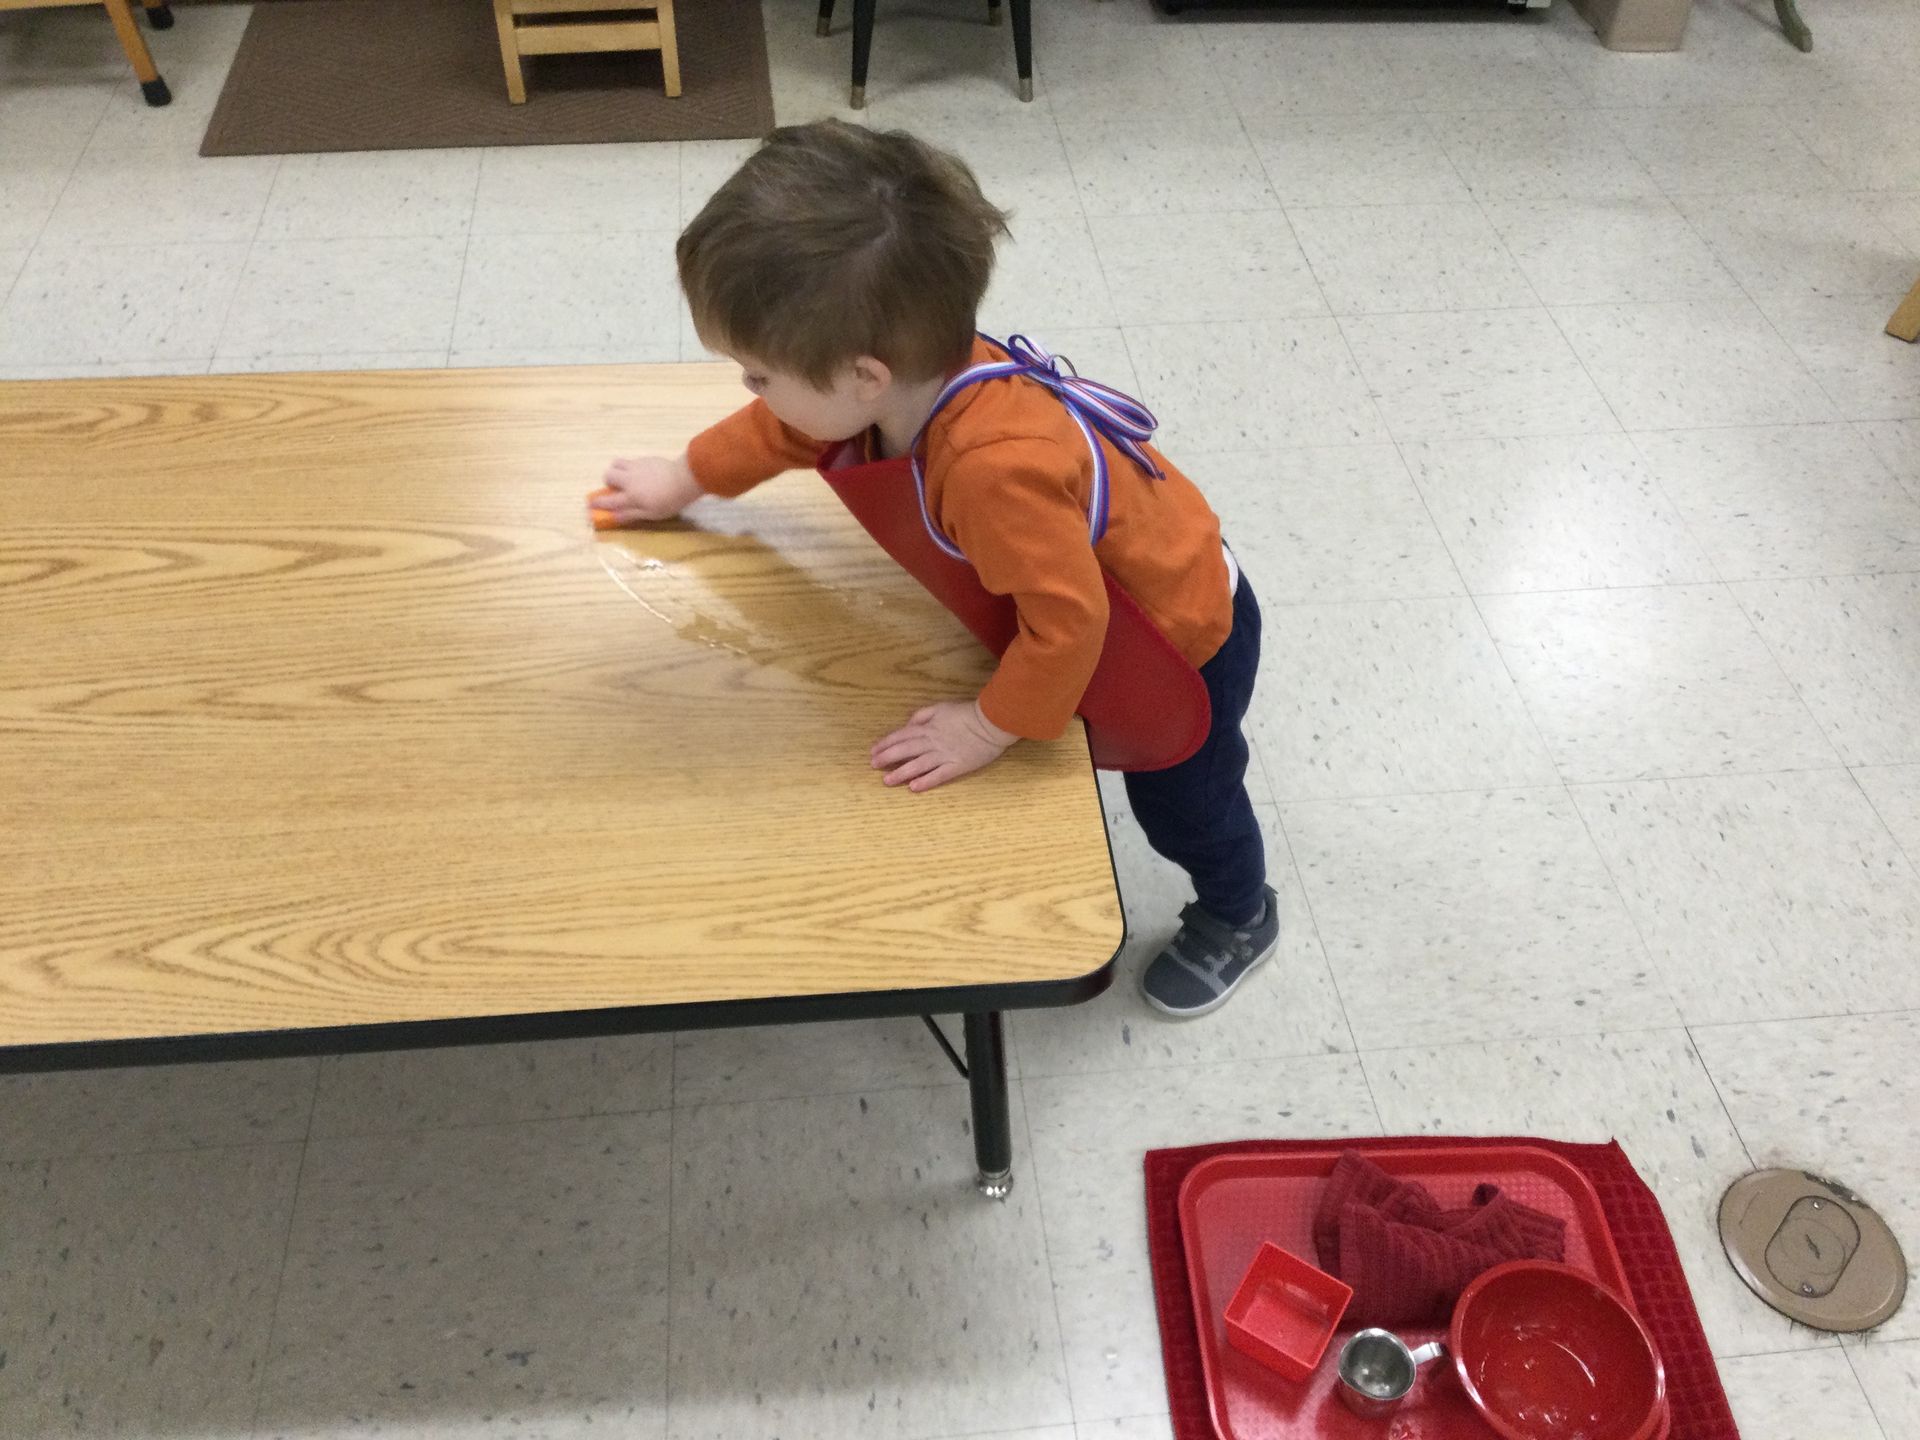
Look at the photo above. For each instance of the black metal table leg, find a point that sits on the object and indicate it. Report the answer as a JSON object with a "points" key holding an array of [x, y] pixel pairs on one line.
{"points": [[992, 1124], [862, 48], [1023, 45], [824, 25]]}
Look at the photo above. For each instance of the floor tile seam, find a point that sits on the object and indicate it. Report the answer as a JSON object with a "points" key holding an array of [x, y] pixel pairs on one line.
{"points": [[1386, 435], [1548, 1033], [46, 220], [1913, 861], [1779, 670], [1586, 370], [325, 1137], [1426, 508], [838, 1092], [1306, 258], [256, 355], [1753, 301], [1087, 217], [1046, 1248], [1720, 1098], [1908, 488], [1812, 1347], [356, 236], [1860, 1380], [1285, 601], [1674, 1027], [466, 258], [673, 1166], [1523, 787], [1422, 312], [1648, 954], [1799, 694], [1737, 424], [246, 263], [1630, 587], [1284, 1056], [1513, 261], [286, 1258], [1326, 962], [1070, 1077], [1093, 245], [1677, 192]]}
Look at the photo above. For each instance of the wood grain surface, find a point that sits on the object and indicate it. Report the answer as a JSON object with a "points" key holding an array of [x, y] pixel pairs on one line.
{"points": [[321, 704]]}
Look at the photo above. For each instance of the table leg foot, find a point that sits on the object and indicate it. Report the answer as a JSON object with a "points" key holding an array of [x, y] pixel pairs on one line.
{"points": [[997, 1186]]}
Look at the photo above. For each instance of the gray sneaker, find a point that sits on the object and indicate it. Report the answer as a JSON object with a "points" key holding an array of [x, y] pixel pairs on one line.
{"points": [[1207, 960]]}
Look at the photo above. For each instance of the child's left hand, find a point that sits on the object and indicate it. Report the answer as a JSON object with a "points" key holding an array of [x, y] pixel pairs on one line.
{"points": [[940, 743]]}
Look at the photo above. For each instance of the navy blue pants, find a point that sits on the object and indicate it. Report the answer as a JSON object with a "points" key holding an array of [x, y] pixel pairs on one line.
{"points": [[1198, 813]]}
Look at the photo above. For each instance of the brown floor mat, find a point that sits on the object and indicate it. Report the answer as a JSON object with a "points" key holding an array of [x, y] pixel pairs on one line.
{"points": [[316, 75]]}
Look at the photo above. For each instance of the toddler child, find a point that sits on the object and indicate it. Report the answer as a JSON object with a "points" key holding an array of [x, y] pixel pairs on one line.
{"points": [[842, 268]]}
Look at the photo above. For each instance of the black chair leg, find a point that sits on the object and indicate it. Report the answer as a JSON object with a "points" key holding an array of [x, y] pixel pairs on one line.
{"points": [[825, 23], [1023, 45], [993, 12], [862, 49]]}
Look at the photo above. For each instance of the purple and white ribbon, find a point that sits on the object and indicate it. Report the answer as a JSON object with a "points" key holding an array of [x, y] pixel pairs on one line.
{"points": [[1122, 420]]}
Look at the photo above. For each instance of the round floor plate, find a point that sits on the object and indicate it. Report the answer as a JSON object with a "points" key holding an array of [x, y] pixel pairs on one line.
{"points": [[1813, 1250]]}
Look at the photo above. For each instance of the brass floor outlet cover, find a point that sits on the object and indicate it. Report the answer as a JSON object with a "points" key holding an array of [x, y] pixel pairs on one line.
{"points": [[1813, 1250]]}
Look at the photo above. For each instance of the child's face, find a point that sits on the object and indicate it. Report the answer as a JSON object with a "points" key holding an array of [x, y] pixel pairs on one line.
{"points": [[849, 407]]}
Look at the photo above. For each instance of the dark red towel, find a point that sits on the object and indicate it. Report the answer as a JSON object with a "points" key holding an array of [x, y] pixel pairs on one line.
{"points": [[1406, 1258]]}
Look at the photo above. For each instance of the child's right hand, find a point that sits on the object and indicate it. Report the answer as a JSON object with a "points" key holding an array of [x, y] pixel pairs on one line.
{"points": [[649, 487]]}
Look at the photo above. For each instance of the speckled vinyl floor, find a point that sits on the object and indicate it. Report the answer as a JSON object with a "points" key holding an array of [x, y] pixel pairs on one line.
{"points": [[1544, 394]]}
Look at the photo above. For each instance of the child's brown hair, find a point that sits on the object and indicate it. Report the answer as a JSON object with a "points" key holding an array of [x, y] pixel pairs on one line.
{"points": [[834, 241]]}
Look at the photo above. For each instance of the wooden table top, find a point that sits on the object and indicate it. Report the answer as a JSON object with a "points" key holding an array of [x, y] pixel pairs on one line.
{"points": [[322, 705]]}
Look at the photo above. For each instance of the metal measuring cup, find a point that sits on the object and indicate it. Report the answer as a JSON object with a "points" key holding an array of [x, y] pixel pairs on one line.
{"points": [[1377, 1371]]}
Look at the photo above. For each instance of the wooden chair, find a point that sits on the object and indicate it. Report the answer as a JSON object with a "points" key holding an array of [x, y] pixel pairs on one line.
{"points": [[551, 27], [120, 12], [1905, 324], [863, 42]]}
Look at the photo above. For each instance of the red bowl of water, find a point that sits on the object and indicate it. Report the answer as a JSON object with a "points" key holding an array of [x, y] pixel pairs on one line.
{"points": [[1547, 1353]]}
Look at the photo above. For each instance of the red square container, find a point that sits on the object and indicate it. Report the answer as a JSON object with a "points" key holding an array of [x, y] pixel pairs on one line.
{"points": [[1285, 1312]]}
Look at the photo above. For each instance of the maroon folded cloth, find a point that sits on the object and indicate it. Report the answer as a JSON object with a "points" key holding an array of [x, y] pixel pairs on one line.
{"points": [[1405, 1257]]}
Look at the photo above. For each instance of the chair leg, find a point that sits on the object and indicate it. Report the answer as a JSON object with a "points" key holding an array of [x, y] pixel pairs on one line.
{"points": [[159, 14], [824, 25], [993, 12], [141, 58], [1790, 21], [1905, 324], [862, 49], [669, 48], [510, 52], [1023, 45]]}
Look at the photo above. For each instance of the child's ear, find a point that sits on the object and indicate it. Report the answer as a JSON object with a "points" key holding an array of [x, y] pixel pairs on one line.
{"points": [[871, 378]]}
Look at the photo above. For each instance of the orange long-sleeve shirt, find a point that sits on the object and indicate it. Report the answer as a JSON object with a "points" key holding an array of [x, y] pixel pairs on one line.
{"points": [[1009, 477]]}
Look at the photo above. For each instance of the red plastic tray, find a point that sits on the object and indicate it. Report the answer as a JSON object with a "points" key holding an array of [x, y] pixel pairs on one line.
{"points": [[1232, 1203]]}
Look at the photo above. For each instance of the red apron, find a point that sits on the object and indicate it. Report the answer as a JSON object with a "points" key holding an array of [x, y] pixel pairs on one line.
{"points": [[1146, 707]]}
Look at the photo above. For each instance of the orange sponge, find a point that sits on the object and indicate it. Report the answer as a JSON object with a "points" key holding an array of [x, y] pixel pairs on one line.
{"points": [[603, 519]]}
